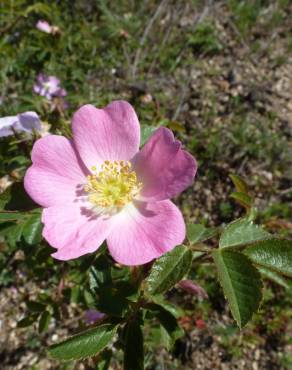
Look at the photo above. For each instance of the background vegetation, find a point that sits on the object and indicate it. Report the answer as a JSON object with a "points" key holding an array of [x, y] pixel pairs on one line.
{"points": [[218, 73]]}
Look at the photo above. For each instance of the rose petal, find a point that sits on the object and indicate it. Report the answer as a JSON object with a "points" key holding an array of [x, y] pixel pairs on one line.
{"points": [[112, 133], [145, 231], [163, 167], [44, 26], [74, 230], [57, 174]]}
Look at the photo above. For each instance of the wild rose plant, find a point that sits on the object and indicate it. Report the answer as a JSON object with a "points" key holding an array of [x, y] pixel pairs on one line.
{"points": [[105, 204], [100, 186]]}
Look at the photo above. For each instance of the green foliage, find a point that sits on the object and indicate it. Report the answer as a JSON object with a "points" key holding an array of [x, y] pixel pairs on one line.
{"points": [[134, 346], [275, 254], [146, 132], [242, 232], [113, 288], [245, 13], [32, 229], [15, 198], [44, 321], [242, 198], [273, 276], [168, 322], [240, 185], [84, 344], [169, 270], [241, 284], [197, 233], [205, 39]]}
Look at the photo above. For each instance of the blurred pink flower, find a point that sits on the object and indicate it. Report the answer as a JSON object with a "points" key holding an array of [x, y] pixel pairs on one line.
{"points": [[192, 288], [23, 122], [48, 86], [100, 186], [44, 26]]}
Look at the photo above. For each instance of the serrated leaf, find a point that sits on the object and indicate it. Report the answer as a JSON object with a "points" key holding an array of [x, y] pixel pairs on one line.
{"points": [[275, 254], [198, 233], [273, 276], [242, 198], [44, 321], [241, 284], [169, 270], [13, 234], [169, 323], [134, 346], [85, 344], [32, 229], [239, 183], [241, 232]]}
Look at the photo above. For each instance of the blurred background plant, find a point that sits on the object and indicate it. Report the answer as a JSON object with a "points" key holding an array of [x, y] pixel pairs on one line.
{"points": [[218, 73]]}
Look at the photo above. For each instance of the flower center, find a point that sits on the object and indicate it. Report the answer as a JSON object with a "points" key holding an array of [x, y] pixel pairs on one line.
{"points": [[114, 186]]}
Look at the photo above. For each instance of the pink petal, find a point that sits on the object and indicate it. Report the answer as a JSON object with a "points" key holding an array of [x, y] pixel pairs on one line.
{"points": [[144, 231], [74, 230], [57, 174], [163, 167], [112, 133], [44, 26]]}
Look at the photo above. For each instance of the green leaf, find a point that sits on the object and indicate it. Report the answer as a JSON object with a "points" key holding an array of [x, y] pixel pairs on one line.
{"points": [[146, 132], [175, 310], [274, 276], [85, 344], [169, 323], [13, 234], [32, 229], [104, 360], [198, 233], [134, 346], [27, 321], [275, 254], [10, 216], [15, 198], [115, 299], [35, 306], [241, 232], [169, 270], [242, 198], [239, 183], [44, 321], [241, 284]]}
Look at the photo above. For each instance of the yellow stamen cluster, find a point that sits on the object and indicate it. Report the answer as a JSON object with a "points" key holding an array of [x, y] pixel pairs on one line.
{"points": [[114, 186]]}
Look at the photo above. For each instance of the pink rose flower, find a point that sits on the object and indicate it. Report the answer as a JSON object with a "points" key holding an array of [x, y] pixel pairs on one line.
{"points": [[44, 26], [99, 187], [48, 86]]}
